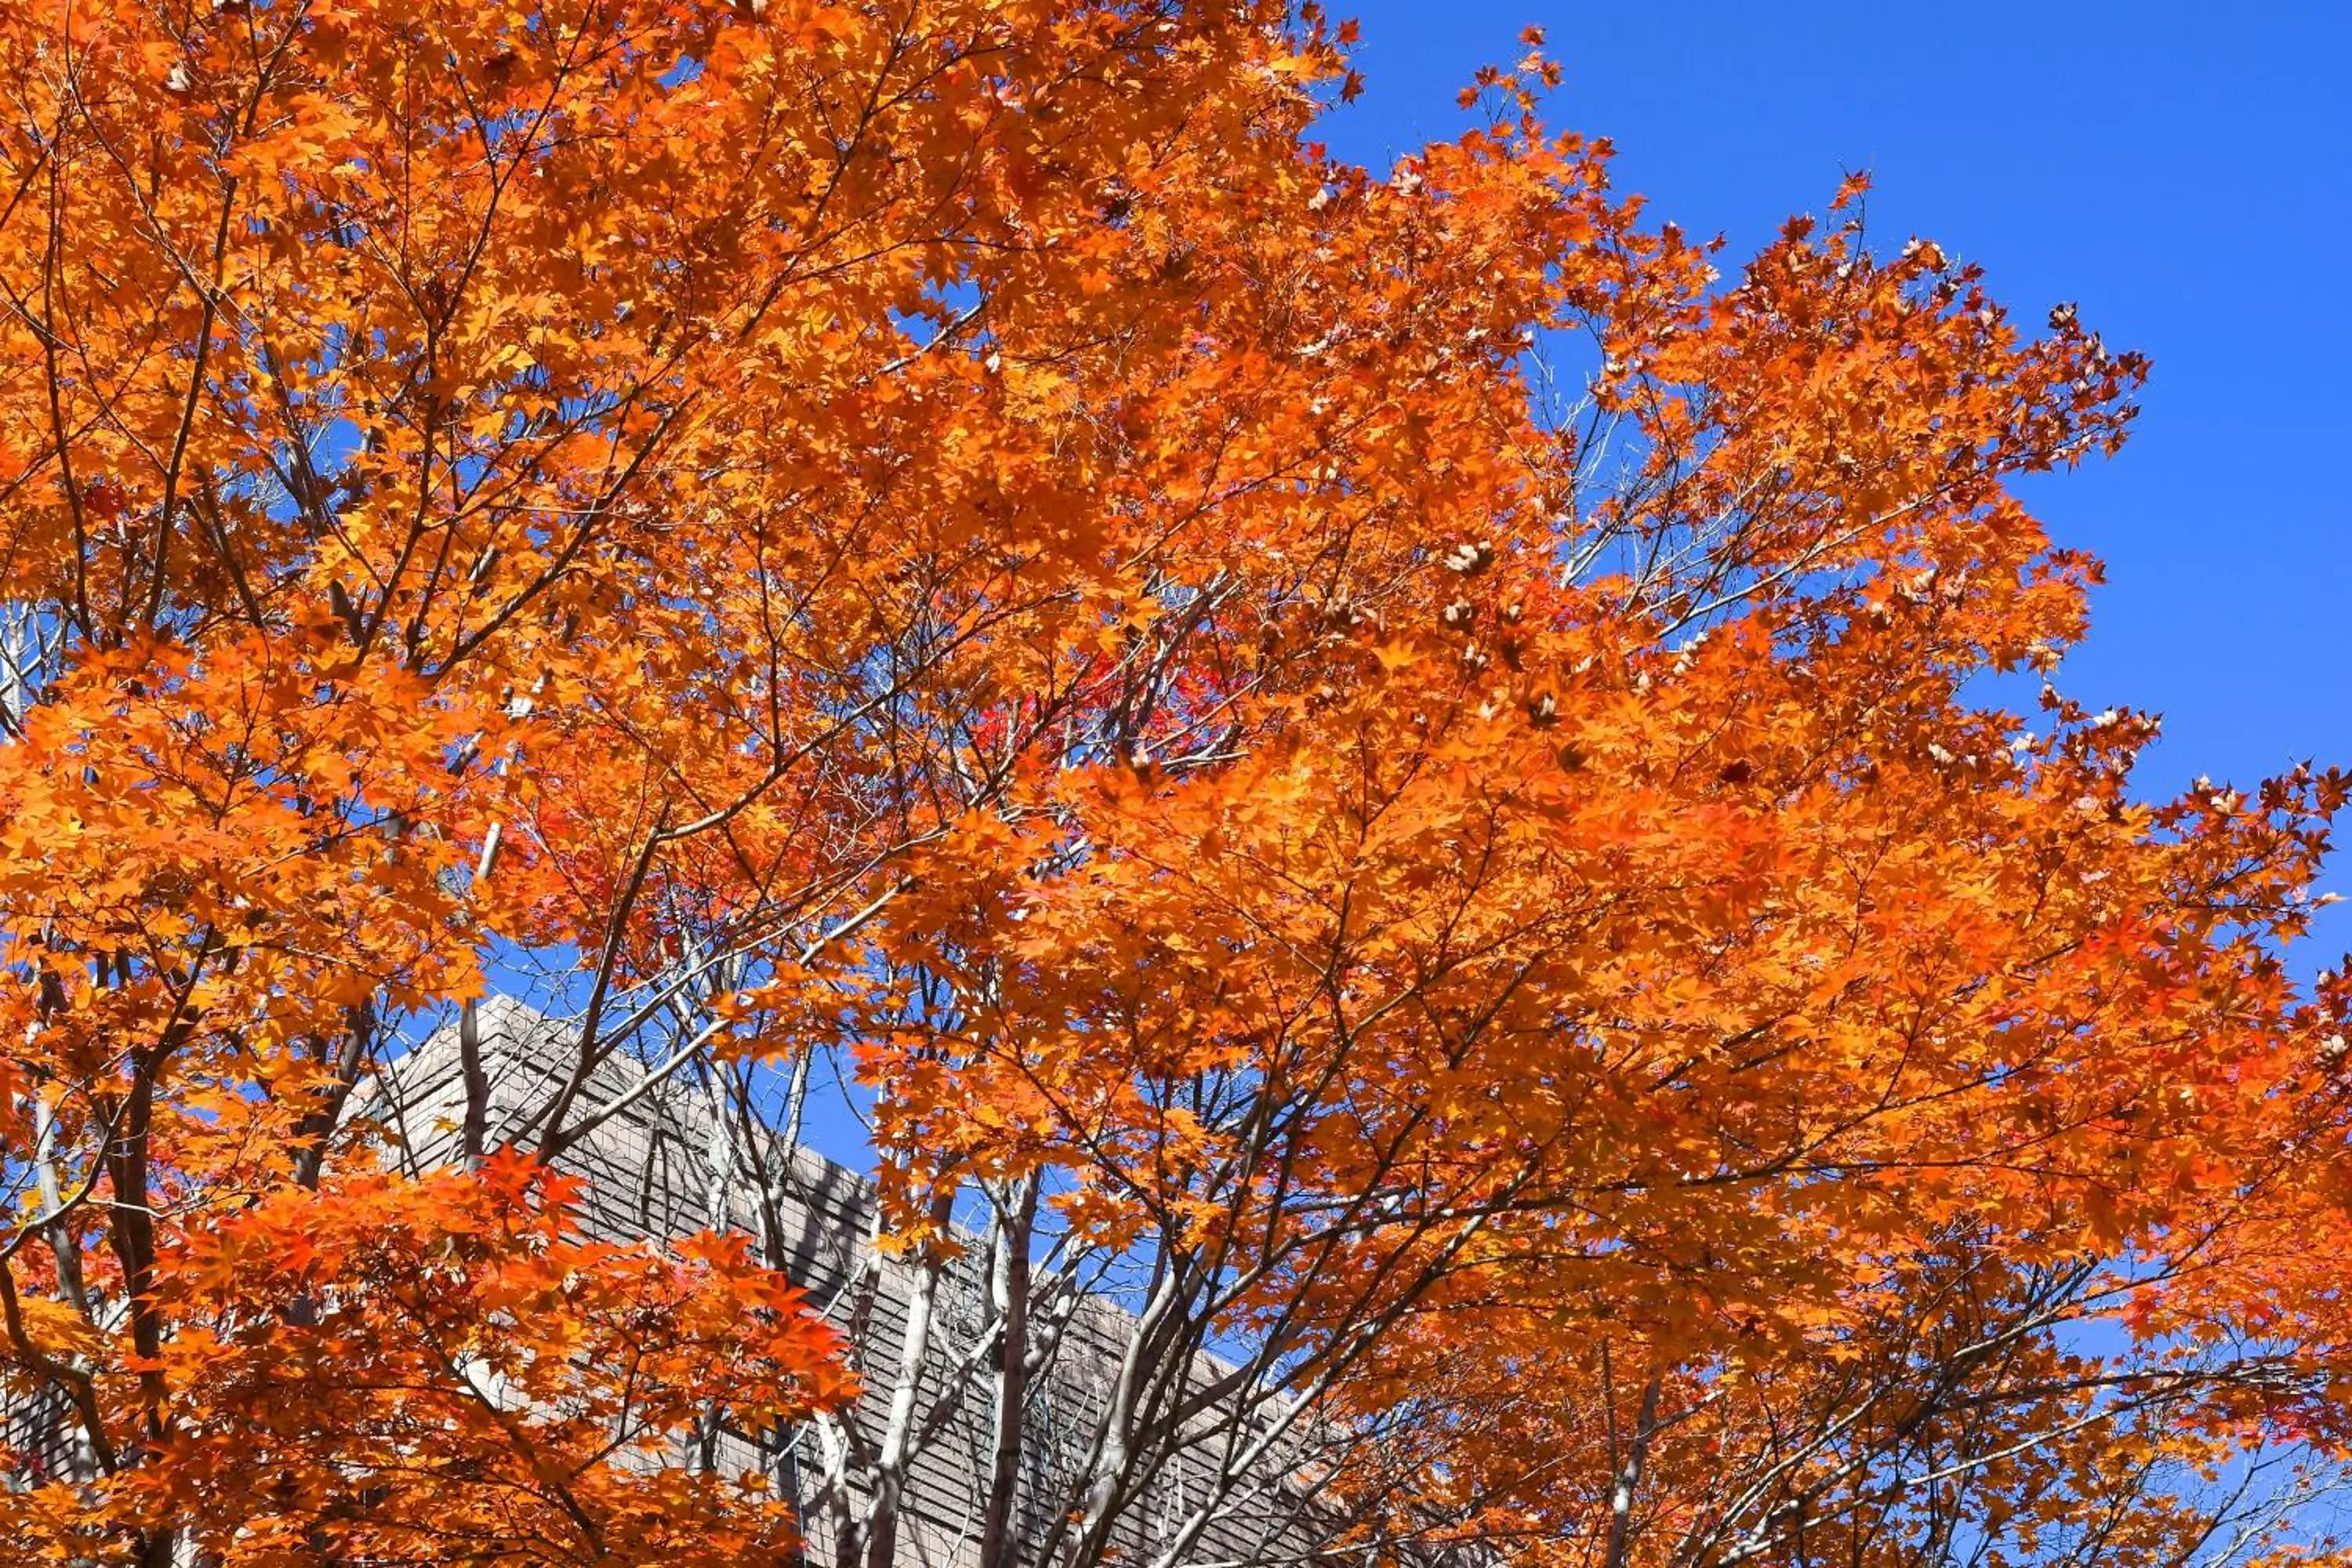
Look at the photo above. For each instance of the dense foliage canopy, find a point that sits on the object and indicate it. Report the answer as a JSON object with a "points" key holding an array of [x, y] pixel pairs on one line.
{"points": [[1397, 745]]}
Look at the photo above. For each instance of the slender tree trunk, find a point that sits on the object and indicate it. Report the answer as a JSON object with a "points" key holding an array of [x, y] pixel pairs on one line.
{"points": [[998, 1524], [1107, 1489], [478, 1085], [897, 1434], [60, 1232], [1629, 1479]]}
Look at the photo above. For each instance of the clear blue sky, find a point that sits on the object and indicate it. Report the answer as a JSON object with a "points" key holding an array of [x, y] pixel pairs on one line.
{"points": [[2184, 173]]}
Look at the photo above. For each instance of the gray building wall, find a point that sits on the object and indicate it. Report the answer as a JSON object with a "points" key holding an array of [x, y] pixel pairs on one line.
{"points": [[649, 1173]]}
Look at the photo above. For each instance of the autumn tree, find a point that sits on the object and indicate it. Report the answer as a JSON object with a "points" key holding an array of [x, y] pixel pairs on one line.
{"points": [[1397, 793]]}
